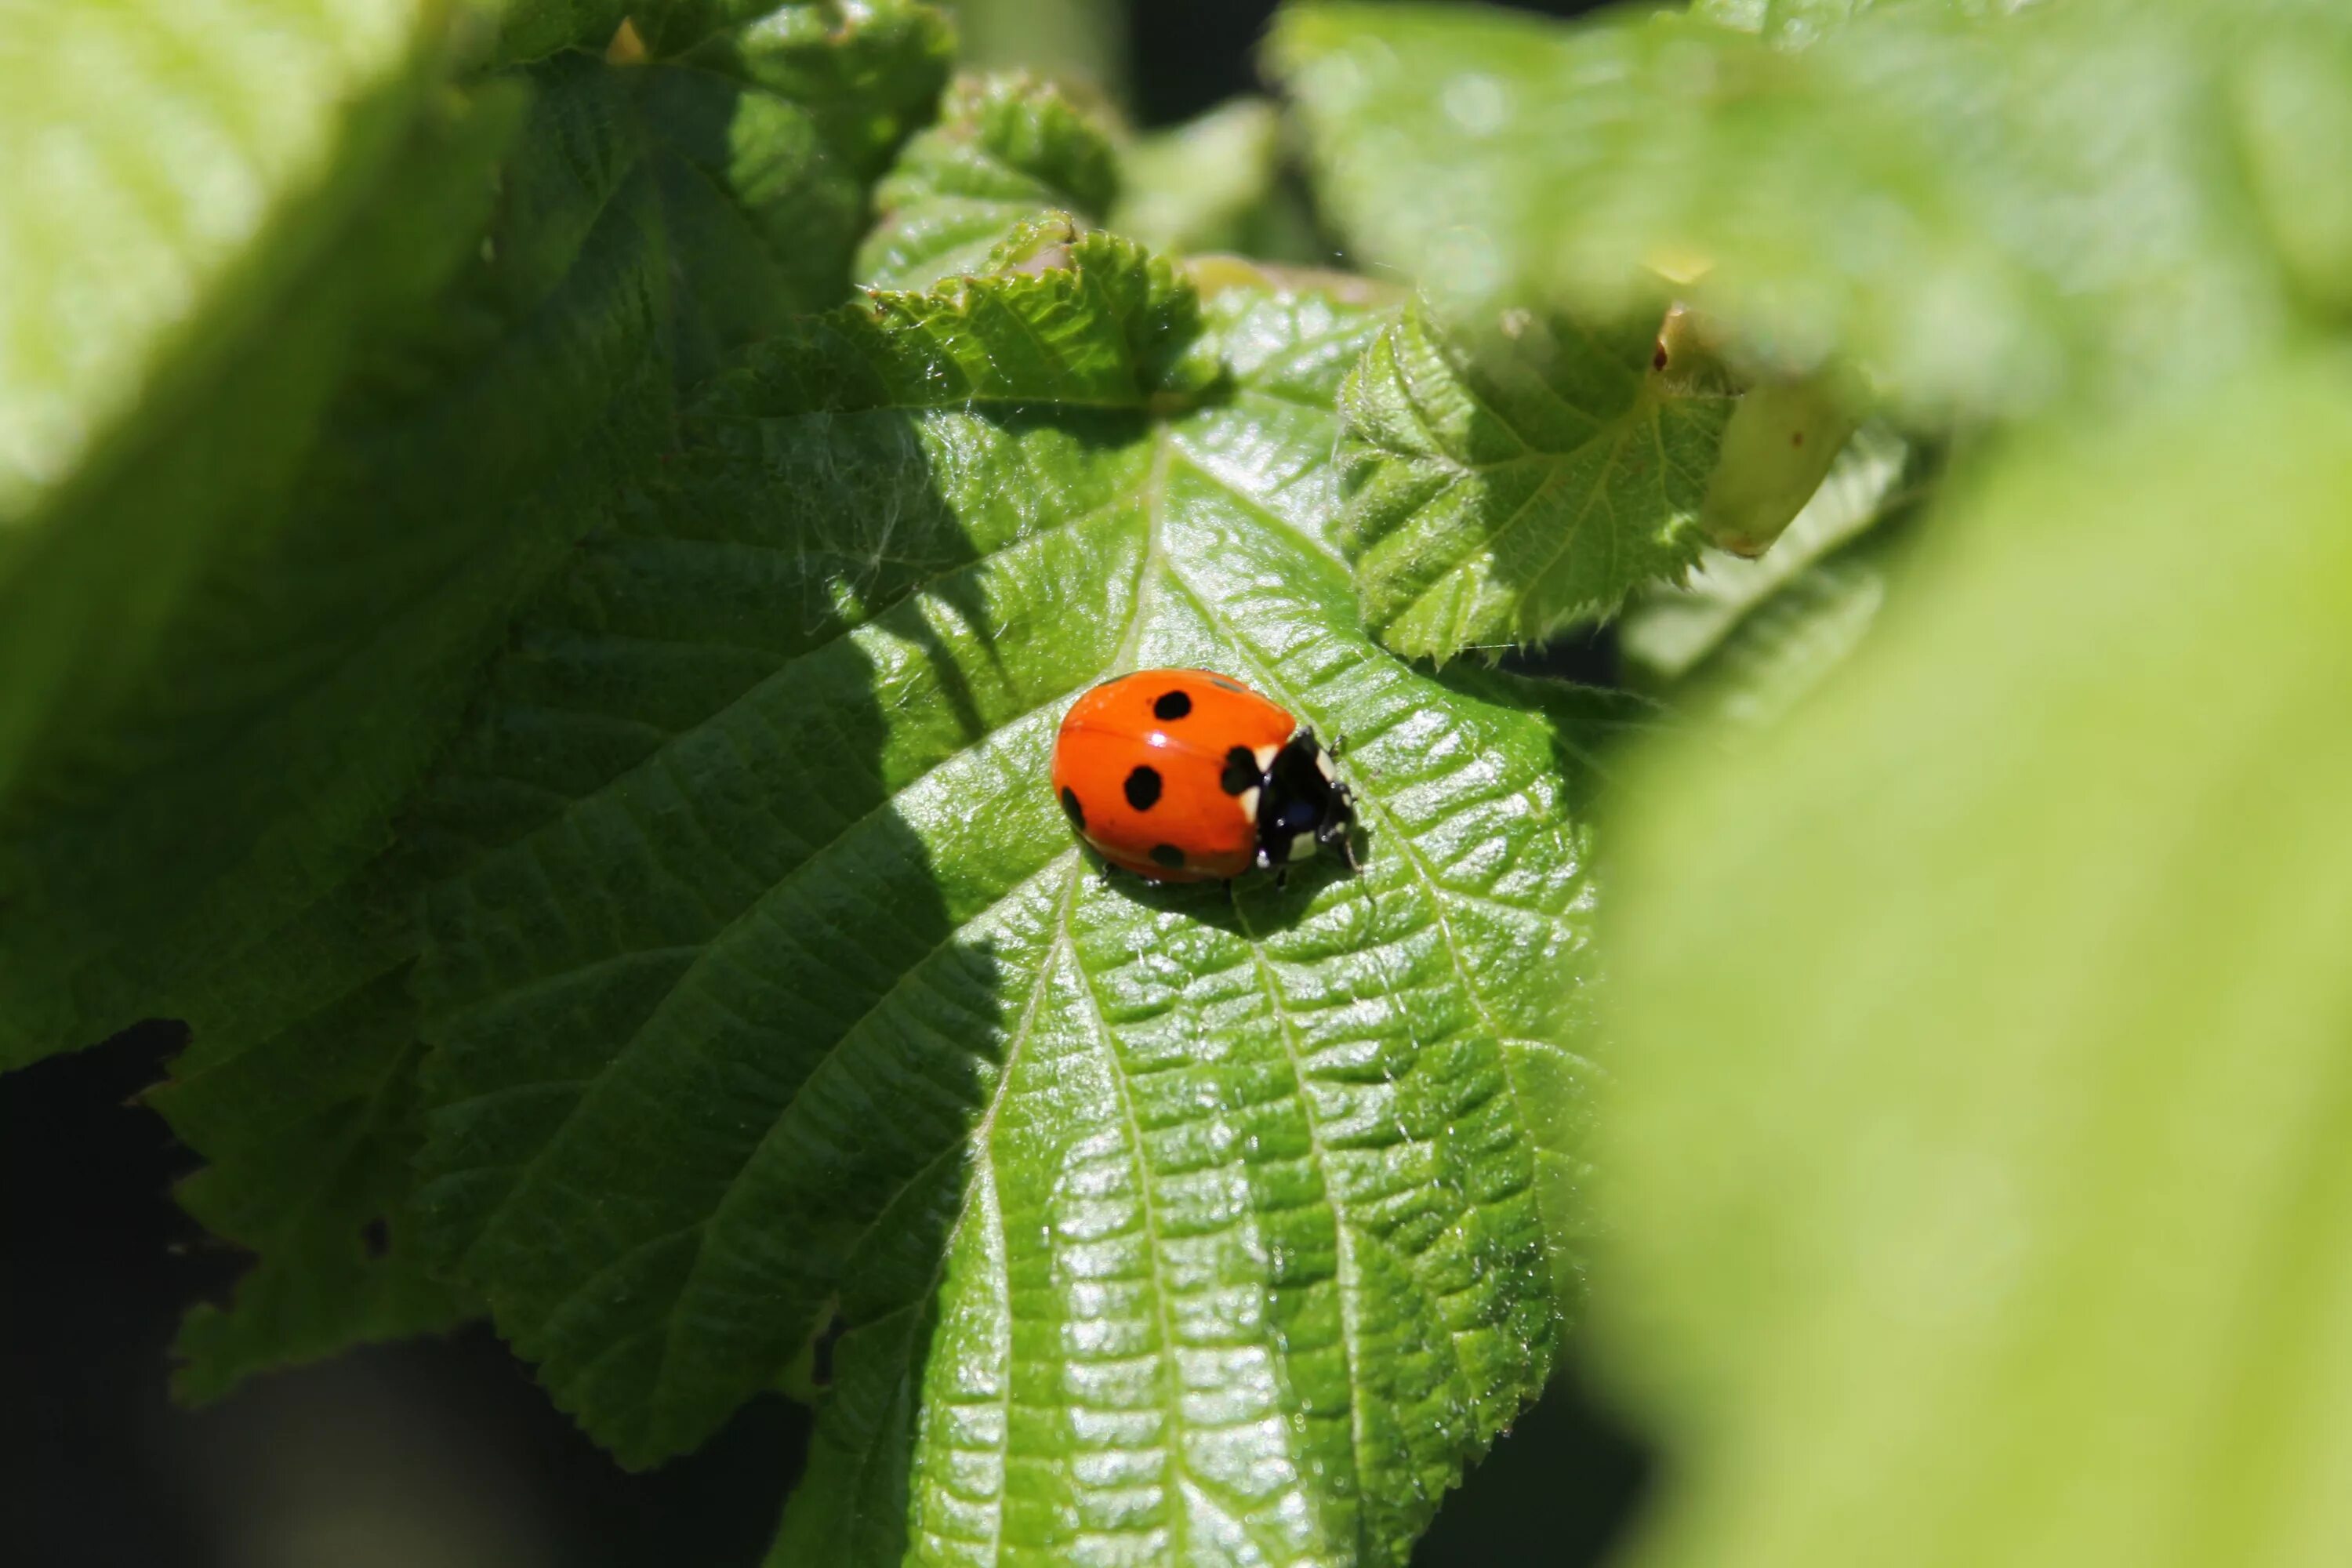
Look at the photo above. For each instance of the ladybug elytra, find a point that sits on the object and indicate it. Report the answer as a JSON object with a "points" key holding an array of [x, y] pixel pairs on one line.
{"points": [[1183, 775]]}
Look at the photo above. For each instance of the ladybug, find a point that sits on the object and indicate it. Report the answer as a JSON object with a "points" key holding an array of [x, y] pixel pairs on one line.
{"points": [[1183, 776]]}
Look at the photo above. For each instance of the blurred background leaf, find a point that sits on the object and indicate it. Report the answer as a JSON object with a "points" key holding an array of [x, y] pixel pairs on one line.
{"points": [[1981, 1150], [1971, 211]]}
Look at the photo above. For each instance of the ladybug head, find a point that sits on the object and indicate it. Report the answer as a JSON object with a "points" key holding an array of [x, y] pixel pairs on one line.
{"points": [[1301, 805]]}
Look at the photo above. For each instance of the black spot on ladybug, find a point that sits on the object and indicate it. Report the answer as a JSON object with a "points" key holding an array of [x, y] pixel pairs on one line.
{"points": [[1168, 854], [1222, 684], [1240, 771], [1143, 788], [1171, 705], [1070, 805]]}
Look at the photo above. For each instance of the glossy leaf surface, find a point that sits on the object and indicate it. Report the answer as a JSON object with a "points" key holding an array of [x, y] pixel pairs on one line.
{"points": [[1157, 1223]]}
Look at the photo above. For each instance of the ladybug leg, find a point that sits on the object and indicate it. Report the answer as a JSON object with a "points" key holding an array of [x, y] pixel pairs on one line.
{"points": [[1106, 873]]}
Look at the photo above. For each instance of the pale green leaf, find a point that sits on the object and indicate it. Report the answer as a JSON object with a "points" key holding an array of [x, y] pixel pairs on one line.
{"points": [[169, 173], [1968, 212], [185, 244], [1005, 149], [1157, 1223], [1982, 1147], [1496, 495], [1786, 647]]}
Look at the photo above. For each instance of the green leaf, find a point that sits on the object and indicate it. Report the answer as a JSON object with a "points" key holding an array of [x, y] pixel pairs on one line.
{"points": [[1006, 149], [666, 29], [1497, 495], [181, 217], [195, 618], [1972, 213], [1216, 183], [533, 29], [477, 431], [164, 187], [1157, 1223], [1982, 1149], [455, 468]]}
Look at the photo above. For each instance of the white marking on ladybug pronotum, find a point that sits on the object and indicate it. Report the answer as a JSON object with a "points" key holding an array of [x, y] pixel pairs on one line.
{"points": [[1323, 765], [1265, 755], [1249, 798]]}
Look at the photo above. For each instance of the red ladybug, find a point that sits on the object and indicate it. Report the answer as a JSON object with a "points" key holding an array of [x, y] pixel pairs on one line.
{"points": [[1181, 776]]}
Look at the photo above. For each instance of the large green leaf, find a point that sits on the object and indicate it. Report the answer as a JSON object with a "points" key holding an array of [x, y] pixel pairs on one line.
{"points": [[222, 787], [1006, 149], [186, 268], [1971, 211], [1157, 1223], [1981, 1148], [454, 470], [290, 965], [193, 765], [170, 174], [1494, 497]]}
